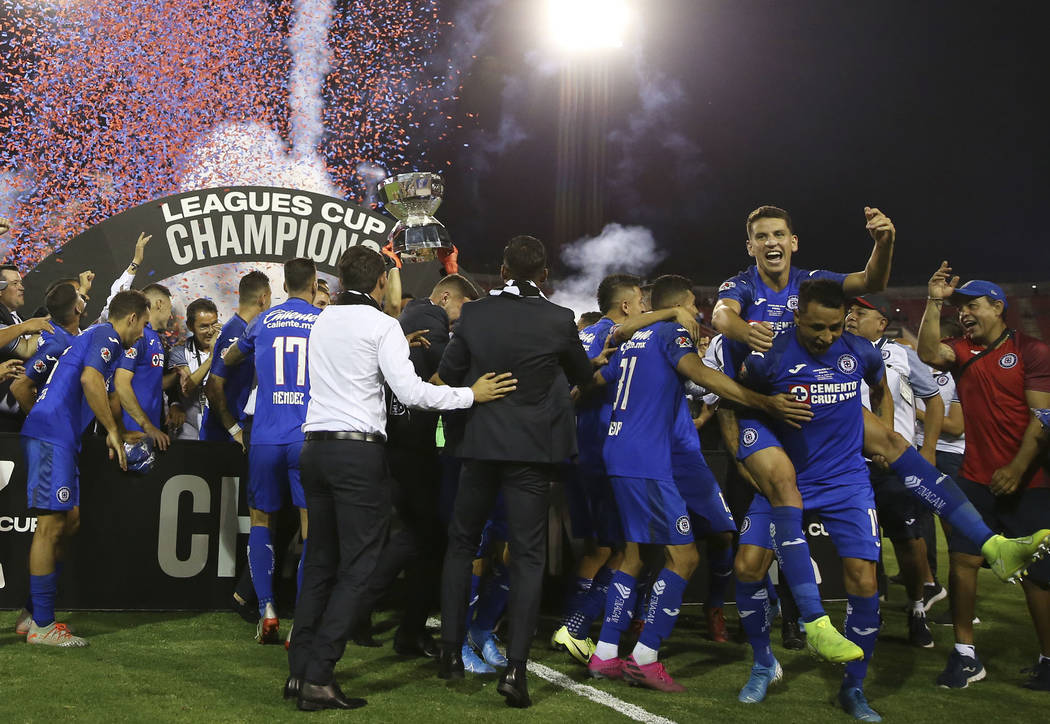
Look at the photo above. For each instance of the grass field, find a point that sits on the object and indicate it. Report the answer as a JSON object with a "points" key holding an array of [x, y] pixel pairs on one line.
{"points": [[206, 667]]}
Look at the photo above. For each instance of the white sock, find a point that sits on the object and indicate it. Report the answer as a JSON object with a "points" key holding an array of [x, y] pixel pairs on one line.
{"points": [[606, 651], [967, 650], [643, 654], [918, 607]]}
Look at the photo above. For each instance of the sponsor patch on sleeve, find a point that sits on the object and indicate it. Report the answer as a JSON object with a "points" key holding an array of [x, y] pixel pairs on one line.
{"points": [[727, 285]]}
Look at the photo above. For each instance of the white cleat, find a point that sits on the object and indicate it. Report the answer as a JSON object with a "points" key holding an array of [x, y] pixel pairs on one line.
{"points": [[55, 634], [25, 619]]}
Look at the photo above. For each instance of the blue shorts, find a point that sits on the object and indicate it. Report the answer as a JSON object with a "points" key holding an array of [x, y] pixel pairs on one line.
{"points": [[852, 525], [755, 435], [273, 471], [652, 511], [703, 497], [592, 507], [52, 478]]}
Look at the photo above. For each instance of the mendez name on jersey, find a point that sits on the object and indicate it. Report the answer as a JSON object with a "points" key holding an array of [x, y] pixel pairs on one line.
{"points": [[647, 394], [760, 303], [826, 451]]}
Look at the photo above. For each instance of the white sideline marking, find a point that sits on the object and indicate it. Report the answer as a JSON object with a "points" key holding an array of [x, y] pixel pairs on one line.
{"points": [[631, 711], [598, 696]]}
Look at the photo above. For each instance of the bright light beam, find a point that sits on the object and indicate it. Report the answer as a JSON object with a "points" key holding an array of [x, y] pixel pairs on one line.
{"points": [[587, 25]]}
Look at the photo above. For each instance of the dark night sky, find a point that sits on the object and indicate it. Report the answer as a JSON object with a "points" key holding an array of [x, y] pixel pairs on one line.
{"points": [[930, 110]]}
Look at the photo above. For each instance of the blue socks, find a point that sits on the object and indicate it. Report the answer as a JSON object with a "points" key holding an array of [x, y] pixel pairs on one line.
{"points": [[862, 628], [792, 549], [42, 590], [59, 565], [493, 600], [941, 495], [590, 605], [574, 603], [665, 603], [752, 600], [472, 602], [619, 607], [260, 563], [299, 573], [720, 572]]}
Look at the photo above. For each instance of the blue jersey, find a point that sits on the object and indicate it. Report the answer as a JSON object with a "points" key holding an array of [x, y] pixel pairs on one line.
{"points": [[237, 381], [592, 418], [647, 392], [145, 360], [61, 413], [51, 347], [278, 338], [759, 303], [826, 451]]}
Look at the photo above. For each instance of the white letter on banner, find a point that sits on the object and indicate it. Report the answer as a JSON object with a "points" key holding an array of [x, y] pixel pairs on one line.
{"points": [[183, 255], [167, 535], [230, 525]]}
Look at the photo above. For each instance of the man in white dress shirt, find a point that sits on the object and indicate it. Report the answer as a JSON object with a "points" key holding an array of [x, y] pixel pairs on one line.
{"points": [[354, 348]]}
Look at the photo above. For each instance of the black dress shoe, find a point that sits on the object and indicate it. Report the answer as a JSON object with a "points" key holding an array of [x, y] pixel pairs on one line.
{"points": [[513, 687], [450, 665], [420, 645], [292, 687], [314, 697], [363, 636], [792, 635]]}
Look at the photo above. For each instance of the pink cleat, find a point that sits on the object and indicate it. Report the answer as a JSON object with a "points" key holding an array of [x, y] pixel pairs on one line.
{"points": [[605, 668], [651, 676]]}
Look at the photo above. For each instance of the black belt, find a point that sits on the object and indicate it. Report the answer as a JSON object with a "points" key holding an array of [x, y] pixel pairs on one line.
{"points": [[345, 435]]}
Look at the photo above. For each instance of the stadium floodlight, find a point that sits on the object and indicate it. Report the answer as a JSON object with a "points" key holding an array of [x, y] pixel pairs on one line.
{"points": [[587, 25]]}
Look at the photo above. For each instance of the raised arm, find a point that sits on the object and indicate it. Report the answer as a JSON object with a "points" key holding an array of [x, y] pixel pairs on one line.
{"points": [[930, 348], [876, 273]]}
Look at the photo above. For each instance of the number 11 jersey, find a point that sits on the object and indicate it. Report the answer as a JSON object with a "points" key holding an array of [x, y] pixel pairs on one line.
{"points": [[278, 338], [648, 391]]}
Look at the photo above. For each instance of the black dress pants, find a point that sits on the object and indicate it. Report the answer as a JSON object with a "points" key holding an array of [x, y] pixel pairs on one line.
{"points": [[348, 507], [526, 494]]}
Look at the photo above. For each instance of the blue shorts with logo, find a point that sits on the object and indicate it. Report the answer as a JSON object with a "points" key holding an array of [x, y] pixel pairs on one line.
{"points": [[52, 478], [702, 494], [851, 522], [273, 472], [755, 435], [592, 507], [652, 511]]}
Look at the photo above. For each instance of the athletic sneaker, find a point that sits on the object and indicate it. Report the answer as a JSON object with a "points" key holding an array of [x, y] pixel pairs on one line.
{"points": [[716, 624], [1009, 558], [473, 663], [852, 699], [605, 668], [919, 633], [762, 677], [826, 642], [55, 634], [1038, 676], [931, 594], [792, 635], [579, 649], [485, 642], [651, 676], [267, 631], [25, 620], [961, 671]]}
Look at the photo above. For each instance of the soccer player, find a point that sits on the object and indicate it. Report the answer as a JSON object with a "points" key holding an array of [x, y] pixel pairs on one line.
{"points": [[591, 505], [74, 393], [65, 308], [821, 365], [139, 377], [901, 514], [649, 396], [1001, 374], [278, 340], [228, 389]]}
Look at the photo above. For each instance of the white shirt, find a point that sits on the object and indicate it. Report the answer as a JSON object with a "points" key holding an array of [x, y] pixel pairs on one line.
{"points": [[946, 386], [353, 350]]}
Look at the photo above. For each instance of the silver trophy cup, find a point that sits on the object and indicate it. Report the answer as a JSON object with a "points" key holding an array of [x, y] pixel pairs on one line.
{"points": [[412, 198]]}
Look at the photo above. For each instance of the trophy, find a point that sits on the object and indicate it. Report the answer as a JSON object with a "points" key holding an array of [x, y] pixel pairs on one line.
{"points": [[412, 198]]}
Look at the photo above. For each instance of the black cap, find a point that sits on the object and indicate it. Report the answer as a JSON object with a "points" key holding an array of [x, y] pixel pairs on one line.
{"points": [[877, 302]]}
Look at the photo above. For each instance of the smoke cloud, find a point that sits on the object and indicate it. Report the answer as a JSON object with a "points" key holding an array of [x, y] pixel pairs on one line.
{"points": [[618, 248]]}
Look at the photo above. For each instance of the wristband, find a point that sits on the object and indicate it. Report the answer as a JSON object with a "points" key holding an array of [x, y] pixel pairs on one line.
{"points": [[236, 428], [935, 299], [133, 266]]}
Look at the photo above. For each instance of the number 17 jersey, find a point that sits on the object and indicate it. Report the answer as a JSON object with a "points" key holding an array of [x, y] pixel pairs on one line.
{"points": [[647, 393], [278, 339]]}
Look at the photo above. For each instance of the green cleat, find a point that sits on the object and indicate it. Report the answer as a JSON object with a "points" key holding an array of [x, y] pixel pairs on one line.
{"points": [[580, 649], [1009, 558], [826, 642]]}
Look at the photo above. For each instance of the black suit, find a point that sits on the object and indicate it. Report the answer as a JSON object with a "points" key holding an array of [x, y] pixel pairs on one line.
{"points": [[512, 444]]}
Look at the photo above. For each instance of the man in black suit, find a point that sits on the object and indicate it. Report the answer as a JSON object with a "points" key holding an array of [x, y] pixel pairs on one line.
{"points": [[418, 546], [511, 445]]}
